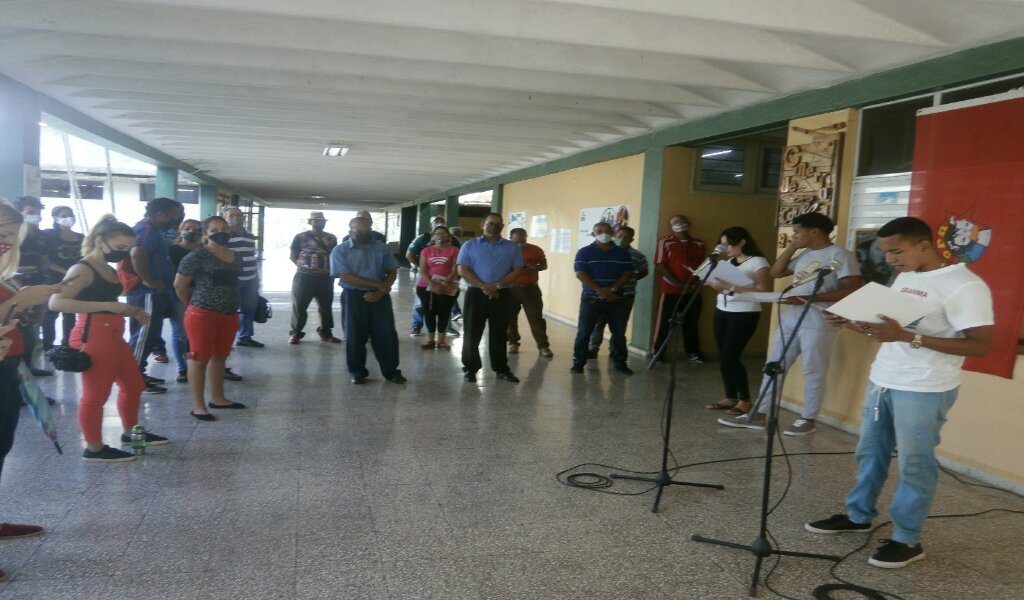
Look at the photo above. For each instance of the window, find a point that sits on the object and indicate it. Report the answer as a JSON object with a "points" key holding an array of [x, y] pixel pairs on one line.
{"points": [[186, 194], [771, 169], [61, 188], [722, 166], [980, 91], [887, 137], [741, 167]]}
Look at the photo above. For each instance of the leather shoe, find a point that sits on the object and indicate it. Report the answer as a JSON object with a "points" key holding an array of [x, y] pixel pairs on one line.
{"points": [[203, 417], [397, 378], [508, 376], [577, 369], [295, 339], [232, 405], [231, 375], [624, 369], [331, 339], [470, 376], [359, 380], [12, 530]]}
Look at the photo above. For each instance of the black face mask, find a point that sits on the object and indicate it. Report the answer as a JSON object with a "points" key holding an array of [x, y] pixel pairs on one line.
{"points": [[362, 238], [221, 237], [115, 256], [190, 236]]}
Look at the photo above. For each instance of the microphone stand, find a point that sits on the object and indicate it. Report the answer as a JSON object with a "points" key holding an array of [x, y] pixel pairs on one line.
{"points": [[663, 478], [761, 548]]}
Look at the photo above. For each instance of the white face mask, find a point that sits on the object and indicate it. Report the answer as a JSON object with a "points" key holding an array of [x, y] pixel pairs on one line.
{"points": [[33, 218], [604, 238], [680, 227], [65, 221], [234, 221]]}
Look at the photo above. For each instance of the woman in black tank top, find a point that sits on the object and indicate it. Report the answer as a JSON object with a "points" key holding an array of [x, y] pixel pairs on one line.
{"points": [[92, 292]]}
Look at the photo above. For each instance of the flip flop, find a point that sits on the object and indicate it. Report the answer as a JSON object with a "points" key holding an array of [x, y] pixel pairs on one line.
{"points": [[719, 406]]}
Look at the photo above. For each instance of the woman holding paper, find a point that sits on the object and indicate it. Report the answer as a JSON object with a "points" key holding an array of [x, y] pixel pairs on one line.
{"points": [[735, 322]]}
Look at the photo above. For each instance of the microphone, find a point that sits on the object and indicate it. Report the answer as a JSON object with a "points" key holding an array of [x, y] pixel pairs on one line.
{"points": [[713, 257], [819, 273]]}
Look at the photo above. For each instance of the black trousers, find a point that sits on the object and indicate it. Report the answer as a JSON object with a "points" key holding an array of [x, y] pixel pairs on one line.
{"points": [[669, 304], [733, 331], [437, 309], [478, 312], [306, 288], [10, 404]]}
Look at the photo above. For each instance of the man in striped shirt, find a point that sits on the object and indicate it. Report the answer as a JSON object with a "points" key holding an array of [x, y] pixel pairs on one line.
{"points": [[244, 244], [604, 269]]}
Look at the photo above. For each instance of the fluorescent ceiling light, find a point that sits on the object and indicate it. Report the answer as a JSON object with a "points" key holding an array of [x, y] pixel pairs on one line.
{"points": [[718, 153], [738, 175], [43, 124], [335, 150], [317, 197]]}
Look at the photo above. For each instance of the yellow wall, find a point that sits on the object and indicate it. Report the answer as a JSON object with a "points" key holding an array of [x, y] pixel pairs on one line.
{"points": [[561, 196], [709, 214], [983, 428]]}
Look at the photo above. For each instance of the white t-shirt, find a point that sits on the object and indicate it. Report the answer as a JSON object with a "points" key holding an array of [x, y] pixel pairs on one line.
{"points": [[963, 301], [807, 262], [748, 267]]}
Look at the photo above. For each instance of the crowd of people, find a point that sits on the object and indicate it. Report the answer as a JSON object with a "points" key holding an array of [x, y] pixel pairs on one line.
{"points": [[206, 283]]}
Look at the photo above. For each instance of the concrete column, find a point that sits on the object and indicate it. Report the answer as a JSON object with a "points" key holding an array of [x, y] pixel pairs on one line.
{"points": [[207, 200], [166, 182], [408, 229], [19, 140], [646, 241], [497, 200], [451, 211], [425, 212]]}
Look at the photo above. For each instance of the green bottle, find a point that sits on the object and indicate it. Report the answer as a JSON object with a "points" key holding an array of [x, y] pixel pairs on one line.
{"points": [[139, 439]]}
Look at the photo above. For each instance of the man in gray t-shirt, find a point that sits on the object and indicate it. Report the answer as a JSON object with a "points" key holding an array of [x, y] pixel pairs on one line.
{"points": [[814, 339]]}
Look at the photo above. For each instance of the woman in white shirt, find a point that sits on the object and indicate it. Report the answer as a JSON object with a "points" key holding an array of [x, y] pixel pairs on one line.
{"points": [[736, 322]]}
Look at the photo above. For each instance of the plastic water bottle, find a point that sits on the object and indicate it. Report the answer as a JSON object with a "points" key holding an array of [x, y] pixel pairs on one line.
{"points": [[139, 439]]}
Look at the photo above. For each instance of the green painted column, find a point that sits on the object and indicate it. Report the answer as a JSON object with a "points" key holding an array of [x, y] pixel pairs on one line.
{"points": [[166, 182], [425, 212], [19, 141], [498, 199], [207, 200], [646, 240], [451, 211]]}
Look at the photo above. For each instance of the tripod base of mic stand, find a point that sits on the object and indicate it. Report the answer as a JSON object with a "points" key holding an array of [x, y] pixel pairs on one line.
{"points": [[762, 549], [661, 480]]}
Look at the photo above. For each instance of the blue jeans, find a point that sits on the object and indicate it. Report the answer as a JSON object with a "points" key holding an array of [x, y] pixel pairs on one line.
{"points": [[909, 421], [616, 315], [179, 339], [417, 311], [373, 322], [248, 296]]}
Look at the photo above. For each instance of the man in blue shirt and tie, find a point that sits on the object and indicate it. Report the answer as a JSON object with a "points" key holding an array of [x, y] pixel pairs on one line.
{"points": [[490, 264], [367, 271], [604, 269]]}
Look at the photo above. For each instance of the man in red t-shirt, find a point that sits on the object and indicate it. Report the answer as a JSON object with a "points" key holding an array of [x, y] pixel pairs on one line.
{"points": [[675, 258], [526, 296]]}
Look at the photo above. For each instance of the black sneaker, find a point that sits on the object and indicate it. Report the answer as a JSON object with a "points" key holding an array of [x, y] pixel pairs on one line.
{"points": [[507, 376], [152, 388], [697, 357], [397, 378], [106, 454], [624, 369], [470, 376], [453, 332], [231, 376], [248, 342], [151, 439], [576, 368], [148, 379], [894, 555], [182, 377], [836, 524], [592, 353], [415, 331]]}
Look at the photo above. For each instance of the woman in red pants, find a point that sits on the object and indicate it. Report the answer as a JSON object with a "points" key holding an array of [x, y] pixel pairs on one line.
{"points": [[99, 332]]}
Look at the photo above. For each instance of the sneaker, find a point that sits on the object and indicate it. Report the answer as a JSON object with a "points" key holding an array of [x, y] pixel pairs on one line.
{"points": [[231, 375], [836, 524], [152, 388], [592, 353], [107, 455], [295, 339], [150, 380], [248, 342], [894, 555], [457, 318], [697, 357], [546, 352], [513, 348], [801, 427], [742, 422], [330, 339], [452, 332], [151, 439], [160, 358], [10, 531], [416, 331], [182, 377], [507, 376], [470, 376], [624, 369], [397, 378], [576, 368]]}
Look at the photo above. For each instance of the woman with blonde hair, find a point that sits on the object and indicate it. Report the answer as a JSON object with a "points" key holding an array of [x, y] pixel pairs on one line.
{"points": [[92, 293]]}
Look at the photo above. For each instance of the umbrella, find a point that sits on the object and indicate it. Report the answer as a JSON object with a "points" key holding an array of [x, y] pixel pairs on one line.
{"points": [[37, 403]]}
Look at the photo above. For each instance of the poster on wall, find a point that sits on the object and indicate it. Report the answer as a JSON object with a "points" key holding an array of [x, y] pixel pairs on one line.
{"points": [[617, 216], [968, 184], [810, 173], [516, 220], [538, 226], [561, 241]]}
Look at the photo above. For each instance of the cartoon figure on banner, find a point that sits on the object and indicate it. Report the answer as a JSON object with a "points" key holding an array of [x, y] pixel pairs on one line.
{"points": [[962, 239]]}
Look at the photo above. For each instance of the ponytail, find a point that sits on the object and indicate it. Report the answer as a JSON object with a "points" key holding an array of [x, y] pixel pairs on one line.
{"points": [[108, 226]]}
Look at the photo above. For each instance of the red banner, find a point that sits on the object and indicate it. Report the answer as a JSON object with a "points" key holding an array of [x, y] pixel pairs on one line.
{"points": [[968, 184]]}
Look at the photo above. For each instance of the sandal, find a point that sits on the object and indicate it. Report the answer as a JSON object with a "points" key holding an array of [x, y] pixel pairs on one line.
{"points": [[736, 411], [443, 346], [428, 345], [721, 405]]}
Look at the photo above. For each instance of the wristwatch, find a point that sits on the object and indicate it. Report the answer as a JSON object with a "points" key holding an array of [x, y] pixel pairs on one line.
{"points": [[917, 342]]}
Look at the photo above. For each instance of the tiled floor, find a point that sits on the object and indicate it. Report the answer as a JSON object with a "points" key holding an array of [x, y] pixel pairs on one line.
{"points": [[444, 489]]}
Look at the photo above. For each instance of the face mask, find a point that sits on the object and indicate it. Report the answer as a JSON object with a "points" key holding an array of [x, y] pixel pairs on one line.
{"points": [[620, 242], [319, 225], [362, 238], [680, 227], [440, 240], [65, 221], [604, 238], [32, 219], [234, 221], [4, 248], [221, 238], [190, 236], [113, 256]]}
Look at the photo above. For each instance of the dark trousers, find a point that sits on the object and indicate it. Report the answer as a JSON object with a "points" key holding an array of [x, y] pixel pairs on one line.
{"points": [[591, 309], [732, 332], [306, 288], [373, 322], [528, 299], [668, 305], [480, 311], [10, 404], [437, 309], [598, 335], [50, 328], [145, 338]]}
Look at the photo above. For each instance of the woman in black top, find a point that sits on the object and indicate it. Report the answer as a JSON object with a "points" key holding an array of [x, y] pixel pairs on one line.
{"points": [[65, 250], [211, 319], [99, 333]]}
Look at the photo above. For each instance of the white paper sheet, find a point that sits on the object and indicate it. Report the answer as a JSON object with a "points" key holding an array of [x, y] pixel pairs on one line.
{"points": [[763, 297], [728, 273], [874, 299]]}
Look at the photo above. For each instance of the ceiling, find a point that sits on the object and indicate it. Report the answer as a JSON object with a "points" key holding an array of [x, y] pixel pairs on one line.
{"points": [[434, 94]]}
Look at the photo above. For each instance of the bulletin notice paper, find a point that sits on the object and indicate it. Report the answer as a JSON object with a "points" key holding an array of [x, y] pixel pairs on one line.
{"points": [[727, 273]]}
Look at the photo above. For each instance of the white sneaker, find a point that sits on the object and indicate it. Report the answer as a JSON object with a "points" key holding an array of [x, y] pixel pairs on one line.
{"points": [[800, 427], [742, 421]]}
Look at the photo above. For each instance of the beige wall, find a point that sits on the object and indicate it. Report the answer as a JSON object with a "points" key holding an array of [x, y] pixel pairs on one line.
{"points": [[561, 196], [984, 424], [710, 213]]}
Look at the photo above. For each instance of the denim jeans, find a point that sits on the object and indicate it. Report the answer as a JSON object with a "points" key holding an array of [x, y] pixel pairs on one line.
{"points": [[597, 337], [179, 339], [144, 338], [909, 422], [373, 322], [248, 296], [591, 309]]}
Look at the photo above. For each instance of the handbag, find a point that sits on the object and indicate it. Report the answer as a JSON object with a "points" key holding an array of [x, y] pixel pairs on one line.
{"points": [[71, 360], [263, 310]]}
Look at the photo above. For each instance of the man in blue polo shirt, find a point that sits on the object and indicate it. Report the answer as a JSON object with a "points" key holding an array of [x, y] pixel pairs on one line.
{"points": [[489, 264], [367, 271], [604, 269]]}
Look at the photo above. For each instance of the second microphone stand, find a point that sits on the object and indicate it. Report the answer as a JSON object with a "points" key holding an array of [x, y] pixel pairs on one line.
{"points": [[663, 478]]}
